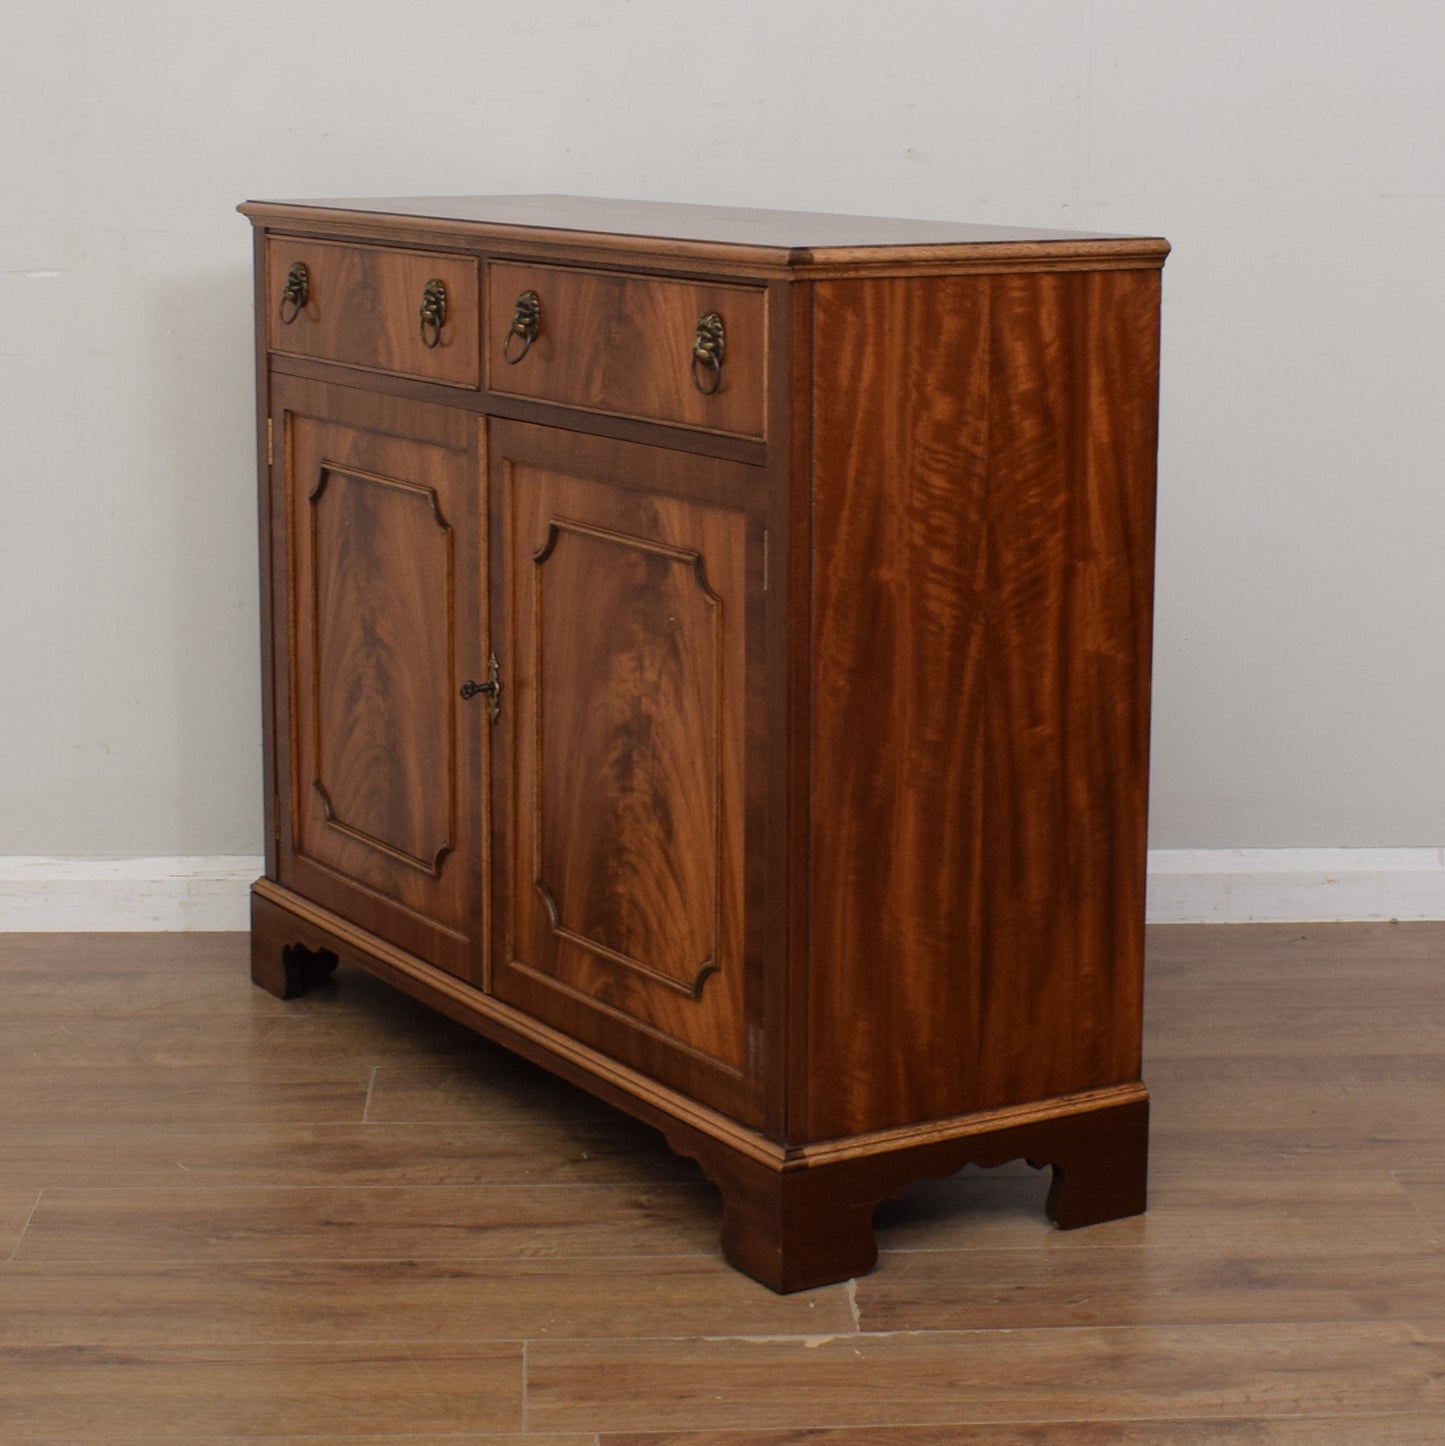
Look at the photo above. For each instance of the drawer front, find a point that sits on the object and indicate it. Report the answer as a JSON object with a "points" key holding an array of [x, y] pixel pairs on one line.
{"points": [[363, 307], [624, 345]]}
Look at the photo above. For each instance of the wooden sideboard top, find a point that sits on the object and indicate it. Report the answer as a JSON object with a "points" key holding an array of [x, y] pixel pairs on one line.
{"points": [[791, 240]]}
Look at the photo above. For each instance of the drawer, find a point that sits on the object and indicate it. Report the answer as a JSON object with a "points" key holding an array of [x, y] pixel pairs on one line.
{"points": [[624, 344], [363, 307]]}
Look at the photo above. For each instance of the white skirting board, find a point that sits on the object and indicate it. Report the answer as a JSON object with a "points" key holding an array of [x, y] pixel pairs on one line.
{"points": [[1239, 886], [49, 895], [1210, 886]]}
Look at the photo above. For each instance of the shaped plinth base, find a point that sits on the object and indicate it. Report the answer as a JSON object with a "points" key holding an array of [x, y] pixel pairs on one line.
{"points": [[791, 1219], [280, 963], [797, 1228]]}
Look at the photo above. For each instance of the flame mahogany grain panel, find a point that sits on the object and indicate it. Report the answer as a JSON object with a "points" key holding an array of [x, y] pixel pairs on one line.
{"points": [[625, 582], [364, 308], [983, 533], [623, 344], [383, 775]]}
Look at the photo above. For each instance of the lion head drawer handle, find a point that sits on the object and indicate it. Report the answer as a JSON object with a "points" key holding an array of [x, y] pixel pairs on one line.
{"points": [[295, 292], [707, 353], [433, 311], [526, 323]]}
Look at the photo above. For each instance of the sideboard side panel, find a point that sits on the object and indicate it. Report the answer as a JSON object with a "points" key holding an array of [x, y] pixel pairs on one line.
{"points": [[983, 470]]}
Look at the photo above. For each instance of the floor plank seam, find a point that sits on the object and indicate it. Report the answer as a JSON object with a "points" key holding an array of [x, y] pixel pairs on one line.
{"points": [[370, 1091], [13, 1257], [1287, 1276]]}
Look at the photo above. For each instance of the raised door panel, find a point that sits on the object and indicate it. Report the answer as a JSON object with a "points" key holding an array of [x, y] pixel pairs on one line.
{"points": [[625, 725], [383, 587]]}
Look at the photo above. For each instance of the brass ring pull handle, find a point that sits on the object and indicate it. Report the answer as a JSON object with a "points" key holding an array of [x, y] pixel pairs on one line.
{"points": [[526, 323], [707, 353], [433, 311], [294, 293]]}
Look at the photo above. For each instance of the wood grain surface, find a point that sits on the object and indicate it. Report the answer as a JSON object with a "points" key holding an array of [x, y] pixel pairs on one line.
{"points": [[988, 1377], [1399, 1428], [364, 308], [183, 1393], [724, 237], [624, 742], [382, 768], [983, 523], [623, 344], [180, 1260]]}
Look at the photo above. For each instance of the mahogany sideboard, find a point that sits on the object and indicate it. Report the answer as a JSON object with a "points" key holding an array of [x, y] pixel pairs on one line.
{"points": [[707, 652]]}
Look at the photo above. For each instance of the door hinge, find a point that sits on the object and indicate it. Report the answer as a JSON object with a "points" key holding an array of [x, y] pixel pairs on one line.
{"points": [[270, 443], [765, 559]]}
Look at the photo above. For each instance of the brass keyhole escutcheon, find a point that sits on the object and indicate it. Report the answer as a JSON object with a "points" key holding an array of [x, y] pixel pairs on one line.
{"points": [[492, 689]]}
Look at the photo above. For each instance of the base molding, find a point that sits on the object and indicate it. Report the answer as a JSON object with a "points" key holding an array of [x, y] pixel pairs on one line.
{"points": [[1186, 886], [792, 1219]]}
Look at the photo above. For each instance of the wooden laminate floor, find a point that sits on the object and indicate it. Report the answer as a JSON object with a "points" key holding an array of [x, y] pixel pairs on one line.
{"points": [[344, 1220]]}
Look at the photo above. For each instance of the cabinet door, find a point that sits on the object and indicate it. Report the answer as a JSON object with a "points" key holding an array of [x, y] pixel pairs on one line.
{"points": [[626, 575], [381, 781]]}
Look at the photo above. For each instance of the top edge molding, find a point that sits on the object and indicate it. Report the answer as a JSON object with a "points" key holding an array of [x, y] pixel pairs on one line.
{"points": [[771, 241]]}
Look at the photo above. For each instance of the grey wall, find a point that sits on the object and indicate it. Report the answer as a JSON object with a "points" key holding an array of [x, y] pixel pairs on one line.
{"points": [[1293, 153]]}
